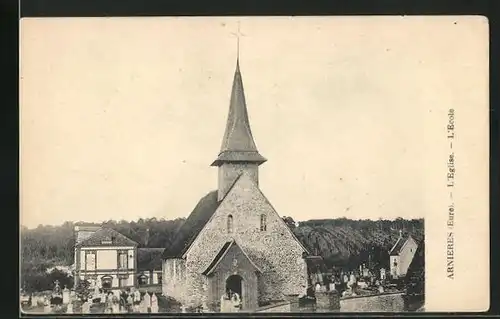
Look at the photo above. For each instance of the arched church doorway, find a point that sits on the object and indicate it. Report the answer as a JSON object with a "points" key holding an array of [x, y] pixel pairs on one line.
{"points": [[234, 283]]}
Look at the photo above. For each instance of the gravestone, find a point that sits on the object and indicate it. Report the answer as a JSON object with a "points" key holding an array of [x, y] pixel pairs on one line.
{"points": [[34, 301], [366, 272], [65, 295], [86, 307], [147, 300], [143, 307], [154, 303], [382, 273], [362, 284], [204, 307], [69, 308], [331, 286]]}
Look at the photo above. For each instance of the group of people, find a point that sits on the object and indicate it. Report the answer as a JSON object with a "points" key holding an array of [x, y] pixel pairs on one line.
{"points": [[124, 301], [230, 302]]}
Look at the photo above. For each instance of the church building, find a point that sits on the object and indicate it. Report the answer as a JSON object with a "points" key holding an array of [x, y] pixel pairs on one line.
{"points": [[401, 255], [234, 239]]}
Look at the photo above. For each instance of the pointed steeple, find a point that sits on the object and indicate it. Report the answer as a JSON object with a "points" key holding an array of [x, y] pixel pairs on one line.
{"points": [[238, 144]]}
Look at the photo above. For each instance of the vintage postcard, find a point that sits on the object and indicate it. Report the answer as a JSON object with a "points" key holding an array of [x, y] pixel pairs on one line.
{"points": [[254, 164]]}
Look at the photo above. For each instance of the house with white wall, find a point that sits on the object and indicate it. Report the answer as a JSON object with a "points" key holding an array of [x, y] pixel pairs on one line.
{"points": [[105, 257], [401, 255]]}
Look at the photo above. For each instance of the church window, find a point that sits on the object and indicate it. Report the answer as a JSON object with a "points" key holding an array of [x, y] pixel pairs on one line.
{"points": [[263, 223], [230, 224]]}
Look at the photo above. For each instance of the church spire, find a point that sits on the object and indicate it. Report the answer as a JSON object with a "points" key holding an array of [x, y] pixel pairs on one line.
{"points": [[238, 144]]}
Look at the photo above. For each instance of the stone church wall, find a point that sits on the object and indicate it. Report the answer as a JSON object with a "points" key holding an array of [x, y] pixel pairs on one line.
{"points": [[229, 172], [406, 256], [173, 281], [275, 251]]}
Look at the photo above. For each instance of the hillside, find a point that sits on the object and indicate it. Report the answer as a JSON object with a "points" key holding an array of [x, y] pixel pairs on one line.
{"points": [[348, 243]]}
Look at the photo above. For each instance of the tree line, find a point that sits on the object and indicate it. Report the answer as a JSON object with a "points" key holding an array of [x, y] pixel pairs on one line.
{"points": [[341, 242]]}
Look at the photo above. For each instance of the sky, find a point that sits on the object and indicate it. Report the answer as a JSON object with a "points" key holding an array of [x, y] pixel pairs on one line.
{"points": [[121, 117]]}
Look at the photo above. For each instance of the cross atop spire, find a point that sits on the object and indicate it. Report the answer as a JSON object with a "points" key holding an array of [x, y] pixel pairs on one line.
{"points": [[238, 34]]}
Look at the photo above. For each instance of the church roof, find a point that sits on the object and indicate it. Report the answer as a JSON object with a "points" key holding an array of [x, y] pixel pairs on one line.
{"points": [[107, 237], [398, 246], [192, 226], [238, 143], [149, 258]]}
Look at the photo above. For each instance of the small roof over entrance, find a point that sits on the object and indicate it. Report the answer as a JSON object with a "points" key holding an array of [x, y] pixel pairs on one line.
{"points": [[230, 248]]}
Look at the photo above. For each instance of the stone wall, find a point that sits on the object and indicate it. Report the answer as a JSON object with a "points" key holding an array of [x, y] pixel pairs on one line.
{"points": [[378, 303], [275, 251], [173, 279], [327, 301], [285, 306]]}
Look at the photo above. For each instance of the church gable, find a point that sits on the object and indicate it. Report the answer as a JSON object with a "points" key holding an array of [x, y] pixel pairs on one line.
{"points": [[245, 215], [230, 258]]}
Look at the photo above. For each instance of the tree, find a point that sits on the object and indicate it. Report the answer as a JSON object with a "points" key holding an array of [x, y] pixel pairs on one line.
{"points": [[289, 222]]}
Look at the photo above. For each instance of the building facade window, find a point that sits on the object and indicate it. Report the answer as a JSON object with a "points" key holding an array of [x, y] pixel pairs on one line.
{"points": [[159, 278], [123, 282], [122, 260], [230, 224], [263, 223], [90, 260]]}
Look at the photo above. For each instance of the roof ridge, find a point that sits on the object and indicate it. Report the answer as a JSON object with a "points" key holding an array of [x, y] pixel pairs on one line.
{"points": [[187, 231], [105, 229]]}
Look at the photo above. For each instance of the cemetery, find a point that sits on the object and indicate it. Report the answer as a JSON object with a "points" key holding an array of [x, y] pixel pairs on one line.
{"points": [[358, 290], [95, 300]]}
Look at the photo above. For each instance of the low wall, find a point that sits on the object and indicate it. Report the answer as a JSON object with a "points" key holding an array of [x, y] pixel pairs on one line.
{"points": [[156, 288], [284, 306], [379, 303]]}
